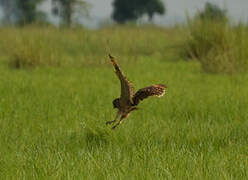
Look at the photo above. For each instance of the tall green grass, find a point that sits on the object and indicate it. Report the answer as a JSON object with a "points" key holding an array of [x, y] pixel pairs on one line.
{"points": [[217, 45], [40, 46], [53, 124], [52, 118]]}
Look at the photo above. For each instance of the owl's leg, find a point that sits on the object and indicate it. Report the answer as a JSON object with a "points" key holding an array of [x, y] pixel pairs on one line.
{"points": [[122, 118], [116, 117], [133, 108]]}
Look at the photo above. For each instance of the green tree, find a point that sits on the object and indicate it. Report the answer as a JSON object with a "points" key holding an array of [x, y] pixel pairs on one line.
{"points": [[213, 12], [28, 12], [9, 10], [20, 11], [68, 9], [154, 7], [132, 10]]}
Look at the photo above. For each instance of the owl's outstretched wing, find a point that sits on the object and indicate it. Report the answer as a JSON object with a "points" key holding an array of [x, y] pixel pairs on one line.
{"points": [[127, 90], [153, 90]]}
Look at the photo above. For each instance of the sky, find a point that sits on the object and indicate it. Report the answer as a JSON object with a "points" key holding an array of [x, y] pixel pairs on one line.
{"points": [[101, 10]]}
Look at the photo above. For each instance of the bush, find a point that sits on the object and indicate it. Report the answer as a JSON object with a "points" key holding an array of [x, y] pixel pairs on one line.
{"points": [[213, 12], [218, 46]]}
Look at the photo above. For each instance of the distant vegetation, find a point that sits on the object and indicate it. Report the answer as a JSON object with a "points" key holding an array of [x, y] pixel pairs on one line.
{"points": [[209, 37], [22, 12], [219, 46], [125, 11], [34, 46], [69, 10], [25, 12], [212, 12]]}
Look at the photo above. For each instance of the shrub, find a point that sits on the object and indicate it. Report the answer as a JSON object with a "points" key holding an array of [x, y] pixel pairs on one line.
{"points": [[218, 46], [213, 12]]}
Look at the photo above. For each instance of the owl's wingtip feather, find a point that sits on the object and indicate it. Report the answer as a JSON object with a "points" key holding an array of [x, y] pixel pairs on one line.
{"points": [[110, 56], [162, 88], [112, 59], [161, 94]]}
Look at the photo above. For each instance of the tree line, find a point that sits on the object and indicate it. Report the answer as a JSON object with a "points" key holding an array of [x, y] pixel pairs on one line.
{"points": [[23, 12]]}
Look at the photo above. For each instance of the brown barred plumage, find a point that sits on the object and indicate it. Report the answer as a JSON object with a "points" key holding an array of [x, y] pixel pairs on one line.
{"points": [[127, 89], [128, 101], [154, 90]]}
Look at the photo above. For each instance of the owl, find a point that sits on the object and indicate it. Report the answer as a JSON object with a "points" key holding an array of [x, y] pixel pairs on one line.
{"points": [[128, 100]]}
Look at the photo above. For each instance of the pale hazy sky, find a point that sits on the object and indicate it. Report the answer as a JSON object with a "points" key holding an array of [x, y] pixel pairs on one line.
{"points": [[176, 9]]}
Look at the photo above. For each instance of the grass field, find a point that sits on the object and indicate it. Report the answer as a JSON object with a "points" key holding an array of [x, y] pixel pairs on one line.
{"points": [[52, 115]]}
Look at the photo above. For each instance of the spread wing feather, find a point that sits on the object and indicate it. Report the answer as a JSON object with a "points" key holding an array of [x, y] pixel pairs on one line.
{"points": [[153, 90], [127, 90]]}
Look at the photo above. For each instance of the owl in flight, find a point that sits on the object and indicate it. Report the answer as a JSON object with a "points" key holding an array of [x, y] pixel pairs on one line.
{"points": [[128, 101]]}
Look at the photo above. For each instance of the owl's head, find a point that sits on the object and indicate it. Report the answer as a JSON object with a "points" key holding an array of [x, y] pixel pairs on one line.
{"points": [[116, 103]]}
